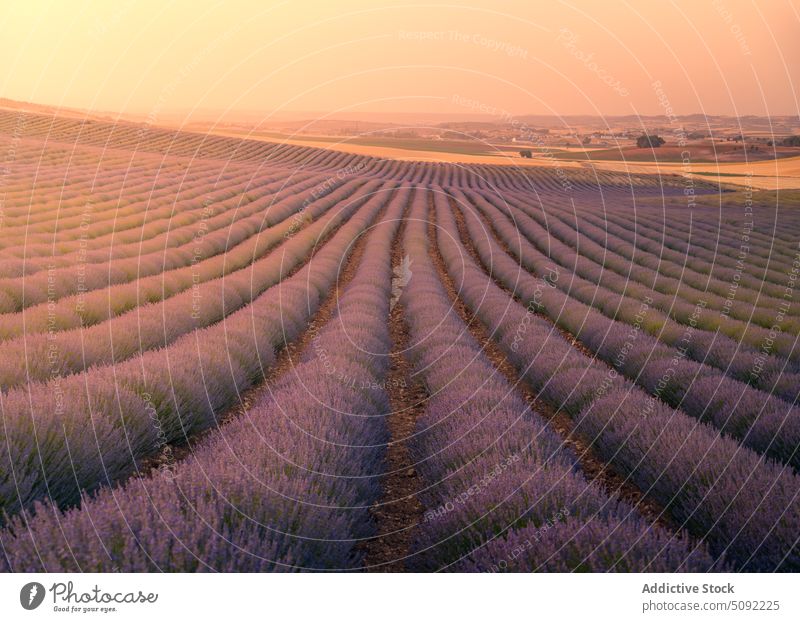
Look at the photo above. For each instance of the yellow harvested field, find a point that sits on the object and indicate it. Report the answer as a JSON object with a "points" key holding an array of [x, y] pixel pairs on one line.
{"points": [[780, 174]]}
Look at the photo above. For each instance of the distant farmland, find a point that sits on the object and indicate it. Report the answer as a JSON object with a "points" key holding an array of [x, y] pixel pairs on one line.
{"points": [[237, 355], [466, 147], [700, 152]]}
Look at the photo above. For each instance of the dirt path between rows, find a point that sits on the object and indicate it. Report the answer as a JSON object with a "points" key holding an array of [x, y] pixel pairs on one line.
{"points": [[399, 510]]}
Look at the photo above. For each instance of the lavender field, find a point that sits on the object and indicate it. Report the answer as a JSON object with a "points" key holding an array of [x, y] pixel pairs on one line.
{"points": [[226, 354]]}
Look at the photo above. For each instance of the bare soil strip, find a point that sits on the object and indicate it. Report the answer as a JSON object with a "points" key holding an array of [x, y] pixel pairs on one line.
{"points": [[592, 466], [399, 510]]}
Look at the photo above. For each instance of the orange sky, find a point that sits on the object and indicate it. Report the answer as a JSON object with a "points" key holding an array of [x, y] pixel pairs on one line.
{"points": [[544, 57]]}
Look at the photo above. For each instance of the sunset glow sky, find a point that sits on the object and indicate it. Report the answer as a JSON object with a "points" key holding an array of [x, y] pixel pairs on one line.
{"points": [[153, 57]]}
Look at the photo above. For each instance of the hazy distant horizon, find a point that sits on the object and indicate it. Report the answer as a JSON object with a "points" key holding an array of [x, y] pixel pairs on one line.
{"points": [[727, 57], [368, 116]]}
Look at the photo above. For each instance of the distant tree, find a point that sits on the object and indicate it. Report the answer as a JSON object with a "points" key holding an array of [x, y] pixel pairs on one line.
{"points": [[649, 140], [587, 140], [526, 153], [791, 141]]}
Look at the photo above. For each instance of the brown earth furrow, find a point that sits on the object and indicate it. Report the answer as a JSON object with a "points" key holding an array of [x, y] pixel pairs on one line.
{"points": [[399, 510]]}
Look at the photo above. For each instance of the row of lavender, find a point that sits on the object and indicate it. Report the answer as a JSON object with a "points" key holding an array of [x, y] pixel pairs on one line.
{"points": [[186, 144], [139, 200], [740, 352], [745, 359], [104, 232], [759, 291], [765, 356], [746, 351], [746, 508], [716, 236], [761, 421], [65, 179], [36, 357], [737, 319], [286, 487], [500, 491], [61, 194], [133, 409], [210, 226], [209, 256], [707, 240], [703, 272]]}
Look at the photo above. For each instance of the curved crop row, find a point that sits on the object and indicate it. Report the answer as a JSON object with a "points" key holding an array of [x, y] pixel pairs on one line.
{"points": [[32, 358], [494, 470], [134, 408], [637, 281], [712, 269], [765, 423], [135, 199], [704, 234], [286, 487], [180, 225], [202, 234], [741, 361], [212, 256], [670, 271], [667, 271], [170, 143], [743, 506]]}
